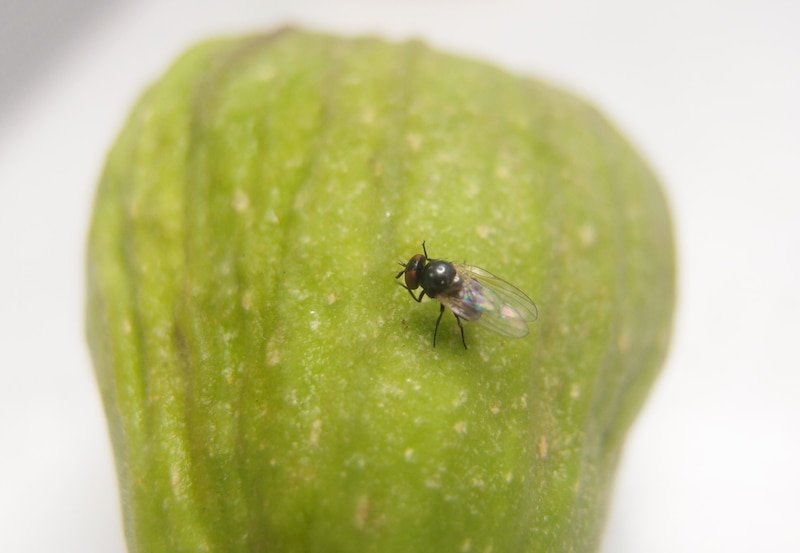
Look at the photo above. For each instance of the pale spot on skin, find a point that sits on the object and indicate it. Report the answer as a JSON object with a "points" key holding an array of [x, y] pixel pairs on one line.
{"points": [[175, 480], [433, 483], [273, 355], [587, 235], [368, 116], [331, 298], [270, 217], [392, 390], [461, 399], [460, 427], [414, 141], [483, 230], [241, 202], [542, 447], [408, 454], [247, 300], [358, 188], [316, 429], [267, 73], [466, 545], [362, 512], [575, 391], [624, 340]]}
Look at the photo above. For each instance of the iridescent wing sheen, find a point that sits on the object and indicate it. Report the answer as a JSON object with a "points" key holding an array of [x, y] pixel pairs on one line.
{"points": [[491, 302]]}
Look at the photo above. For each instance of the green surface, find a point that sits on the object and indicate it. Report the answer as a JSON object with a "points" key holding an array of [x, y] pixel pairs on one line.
{"points": [[270, 387]]}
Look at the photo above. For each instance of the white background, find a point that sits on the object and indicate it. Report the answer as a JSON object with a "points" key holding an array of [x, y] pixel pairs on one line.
{"points": [[709, 91]]}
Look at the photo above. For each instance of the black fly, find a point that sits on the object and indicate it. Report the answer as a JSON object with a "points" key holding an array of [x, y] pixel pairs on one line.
{"points": [[471, 293]]}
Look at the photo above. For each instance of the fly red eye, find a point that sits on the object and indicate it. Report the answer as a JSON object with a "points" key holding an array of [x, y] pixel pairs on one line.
{"points": [[414, 264]]}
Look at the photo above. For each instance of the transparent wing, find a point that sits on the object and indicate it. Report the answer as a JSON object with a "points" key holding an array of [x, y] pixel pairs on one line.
{"points": [[492, 302]]}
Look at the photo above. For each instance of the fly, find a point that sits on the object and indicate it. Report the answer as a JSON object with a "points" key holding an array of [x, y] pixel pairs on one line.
{"points": [[471, 293]]}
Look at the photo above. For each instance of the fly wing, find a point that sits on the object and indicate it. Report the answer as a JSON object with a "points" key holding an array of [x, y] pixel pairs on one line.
{"points": [[492, 302], [508, 294]]}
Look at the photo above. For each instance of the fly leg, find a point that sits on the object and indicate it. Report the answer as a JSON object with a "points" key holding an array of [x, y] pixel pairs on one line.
{"points": [[436, 329], [458, 320], [416, 299], [460, 326]]}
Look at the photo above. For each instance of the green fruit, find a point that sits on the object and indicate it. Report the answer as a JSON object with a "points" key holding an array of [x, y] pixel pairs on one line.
{"points": [[270, 387]]}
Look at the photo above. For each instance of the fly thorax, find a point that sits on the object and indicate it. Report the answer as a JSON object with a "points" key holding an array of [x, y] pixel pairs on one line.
{"points": [[438, 277]]}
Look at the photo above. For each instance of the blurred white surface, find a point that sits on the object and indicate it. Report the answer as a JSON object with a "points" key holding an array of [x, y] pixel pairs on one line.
{"points": [[708, 91]]}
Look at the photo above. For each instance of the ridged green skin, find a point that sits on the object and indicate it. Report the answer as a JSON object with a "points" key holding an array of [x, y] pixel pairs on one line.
{"points": [[270, 387]]}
